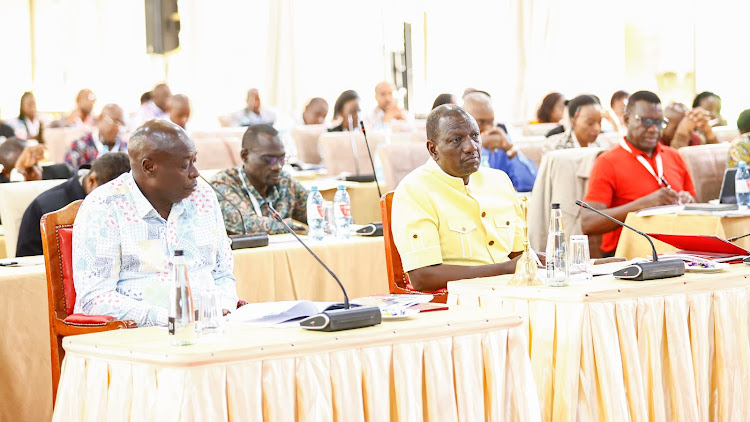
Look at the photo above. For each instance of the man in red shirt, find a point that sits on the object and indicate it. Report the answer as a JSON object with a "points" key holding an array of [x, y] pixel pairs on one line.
{"points": [[638, 173]]}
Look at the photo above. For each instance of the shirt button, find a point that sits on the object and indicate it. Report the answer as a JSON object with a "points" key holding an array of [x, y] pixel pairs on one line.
{"points": [[483, 214], [415, 236], [492, 242], [507, 223]]}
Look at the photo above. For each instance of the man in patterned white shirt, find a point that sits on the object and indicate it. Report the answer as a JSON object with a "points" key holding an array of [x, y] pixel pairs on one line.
{"points": [[126, 232]]}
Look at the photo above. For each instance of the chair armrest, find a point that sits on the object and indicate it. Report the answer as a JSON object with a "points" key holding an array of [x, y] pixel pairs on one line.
{"points": [[81, 320]]}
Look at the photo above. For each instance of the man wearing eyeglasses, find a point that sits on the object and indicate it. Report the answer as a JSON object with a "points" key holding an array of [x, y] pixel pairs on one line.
{"points": [[638, 173], [103, 139], [244, 192]]}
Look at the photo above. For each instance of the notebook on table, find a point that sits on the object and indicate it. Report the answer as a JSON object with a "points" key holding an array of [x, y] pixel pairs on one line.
{"points": [[704, 246]]}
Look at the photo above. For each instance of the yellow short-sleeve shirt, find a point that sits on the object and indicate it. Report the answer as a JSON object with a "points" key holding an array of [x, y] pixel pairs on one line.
{"points": [[437, 219]]}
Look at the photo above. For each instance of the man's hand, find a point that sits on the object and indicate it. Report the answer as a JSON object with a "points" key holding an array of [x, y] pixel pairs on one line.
{"points": [[663, 196], [495, 138], [392, 112], [684, 197], [28, 162]]}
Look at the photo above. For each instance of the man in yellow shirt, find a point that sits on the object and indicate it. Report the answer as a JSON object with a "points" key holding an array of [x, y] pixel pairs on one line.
{"points": [[452, 219]]}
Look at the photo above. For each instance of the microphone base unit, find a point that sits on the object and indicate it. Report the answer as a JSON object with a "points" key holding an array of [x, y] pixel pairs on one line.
{"points": [[343, 319], [652, 270], [360, 178], [372, 230], [243, 241]]}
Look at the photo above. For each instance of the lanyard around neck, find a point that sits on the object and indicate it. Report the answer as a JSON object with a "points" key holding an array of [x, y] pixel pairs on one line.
{"points": [[659, 174]]}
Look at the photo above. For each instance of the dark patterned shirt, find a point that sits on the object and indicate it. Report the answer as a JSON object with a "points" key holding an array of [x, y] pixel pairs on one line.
{"points": [[85, 150], [289, 198]]}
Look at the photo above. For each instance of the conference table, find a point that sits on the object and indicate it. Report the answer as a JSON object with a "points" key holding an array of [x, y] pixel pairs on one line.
{"points": [[2, 246], [281, 271], [632, 245], [447, 365], [675, 349]]}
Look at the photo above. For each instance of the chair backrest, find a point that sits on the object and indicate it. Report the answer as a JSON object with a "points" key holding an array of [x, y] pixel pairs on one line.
{"points": [[538, 129], [219, 148], [532, 147], [723, 133], [706, 165], [338, 154], [306, 141], [397, 278], [400, 159], [58, 141], [14, 199], [57, 243]]}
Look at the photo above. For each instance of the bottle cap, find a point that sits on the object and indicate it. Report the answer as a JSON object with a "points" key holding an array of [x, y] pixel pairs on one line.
{"points": [[313, 188], [179, 252], [342, 187], [555, 206]]}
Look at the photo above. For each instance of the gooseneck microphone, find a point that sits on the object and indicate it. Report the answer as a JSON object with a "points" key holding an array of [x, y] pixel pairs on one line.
{"points": [[372, 163], [244, 240], [646, 270], [334, 318]]}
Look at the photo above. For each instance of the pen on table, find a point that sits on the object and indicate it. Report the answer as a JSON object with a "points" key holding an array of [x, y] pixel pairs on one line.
{"points": [[664, 181], [8, 264]]}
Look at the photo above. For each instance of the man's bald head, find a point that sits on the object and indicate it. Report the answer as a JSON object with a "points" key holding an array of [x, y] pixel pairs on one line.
{"points": [[384, 94], [160, 96], [109, 123], [162, 158], [155, 137], [179, 110], [10, 150], [85, 100], [479, 105], [315, 112], [440, 114]]}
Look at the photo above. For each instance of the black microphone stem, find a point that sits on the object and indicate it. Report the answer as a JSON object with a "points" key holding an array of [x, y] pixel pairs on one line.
{"points": [[280, 220], [372, 163], [587, 206]]}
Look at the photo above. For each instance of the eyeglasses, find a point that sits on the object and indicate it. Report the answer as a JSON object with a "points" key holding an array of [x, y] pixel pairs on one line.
{"points": [[647, 123], [112, 121], [270, 159]]}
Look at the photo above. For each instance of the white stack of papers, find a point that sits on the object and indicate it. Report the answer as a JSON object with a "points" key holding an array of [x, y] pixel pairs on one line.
{"points": [[277, 314]]}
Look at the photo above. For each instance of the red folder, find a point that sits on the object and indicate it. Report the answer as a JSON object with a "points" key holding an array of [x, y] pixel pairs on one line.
{"points": [[700, 243]]}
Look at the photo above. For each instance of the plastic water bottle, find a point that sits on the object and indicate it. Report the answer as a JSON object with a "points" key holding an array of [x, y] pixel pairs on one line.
{"points": [[181, 322], [342, 213], [315, 214], [557, 252], [742, 184]]}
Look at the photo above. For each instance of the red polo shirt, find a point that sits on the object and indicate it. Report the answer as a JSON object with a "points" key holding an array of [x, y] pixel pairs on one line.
{"points": [[618, 178]]}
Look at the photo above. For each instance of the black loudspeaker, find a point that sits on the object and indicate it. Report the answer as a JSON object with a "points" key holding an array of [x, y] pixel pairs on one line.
{"points": [[162, 26]]}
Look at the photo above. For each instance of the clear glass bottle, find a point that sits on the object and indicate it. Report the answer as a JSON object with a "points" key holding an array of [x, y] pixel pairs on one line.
{"points": [[181, 323], [557, 252]]}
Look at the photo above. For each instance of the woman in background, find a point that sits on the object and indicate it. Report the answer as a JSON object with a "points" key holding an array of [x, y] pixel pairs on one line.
{"points": [[27, 125], [347, 104], [552, 108]]}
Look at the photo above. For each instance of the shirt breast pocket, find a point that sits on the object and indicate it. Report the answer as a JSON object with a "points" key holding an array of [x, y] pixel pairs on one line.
{"points": [[459, 242], [506, 231]]}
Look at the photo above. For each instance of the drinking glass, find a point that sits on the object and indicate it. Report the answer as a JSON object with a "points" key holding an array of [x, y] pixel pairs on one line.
{"points": [[210, 314], [579, 266]]}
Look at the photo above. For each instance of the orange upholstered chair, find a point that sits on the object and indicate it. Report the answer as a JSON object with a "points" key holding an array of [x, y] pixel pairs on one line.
{"points": [[398, 280], [57, 242]]}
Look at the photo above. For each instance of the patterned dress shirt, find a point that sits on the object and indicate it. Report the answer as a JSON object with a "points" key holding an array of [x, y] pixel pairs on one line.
{"points": [[289, 198], [123, 252], [560, 141], [88, 148]]}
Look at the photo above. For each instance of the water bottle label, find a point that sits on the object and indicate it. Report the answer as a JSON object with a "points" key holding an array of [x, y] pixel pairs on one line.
{"points": [[170, 325], [343, 210], [742, 186], [321, 211]]}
